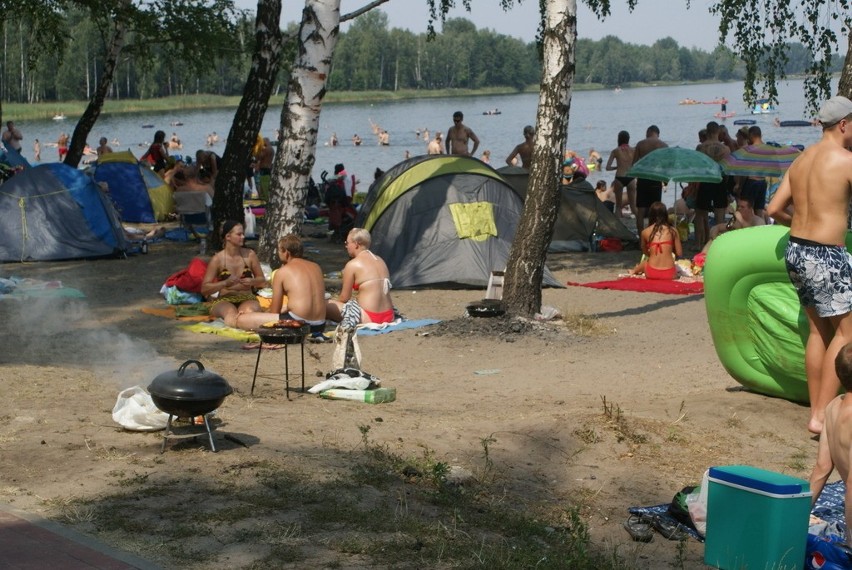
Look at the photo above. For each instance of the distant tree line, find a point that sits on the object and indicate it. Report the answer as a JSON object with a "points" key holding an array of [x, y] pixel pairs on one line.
{"points": [[369, 56]]}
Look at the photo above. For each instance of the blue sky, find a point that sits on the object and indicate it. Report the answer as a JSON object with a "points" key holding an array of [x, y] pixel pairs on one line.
{"points": [[650, 21]]}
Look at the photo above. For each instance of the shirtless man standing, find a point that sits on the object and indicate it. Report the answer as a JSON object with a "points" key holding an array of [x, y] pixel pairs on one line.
{"points": [[264, 169], [435, 146], [818, 186], [622, 155], [103, 147], [755, 186], [711, 195], [524, 150], [647, 191], [458, 137], [298, 279], [12, 137]]}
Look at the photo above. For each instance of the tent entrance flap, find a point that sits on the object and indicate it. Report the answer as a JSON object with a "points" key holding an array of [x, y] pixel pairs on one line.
{"points": [[474, 220]]}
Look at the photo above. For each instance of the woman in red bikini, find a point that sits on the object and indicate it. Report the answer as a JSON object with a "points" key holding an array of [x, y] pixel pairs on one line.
{"points": [[366, 274], [660, 244]]}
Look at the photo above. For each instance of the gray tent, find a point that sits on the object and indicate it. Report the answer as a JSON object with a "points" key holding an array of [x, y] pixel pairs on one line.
{"points": [[442, 220], [579, 211], [54, 211]]}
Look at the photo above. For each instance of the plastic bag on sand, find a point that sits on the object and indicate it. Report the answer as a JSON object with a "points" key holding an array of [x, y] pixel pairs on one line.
{"points": [[348, 378], [548, 314], [696, 502], [251, 222], [135, 410]]}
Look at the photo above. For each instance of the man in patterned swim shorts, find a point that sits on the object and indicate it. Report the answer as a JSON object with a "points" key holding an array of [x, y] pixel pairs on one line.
{"points": [[818, 186]]}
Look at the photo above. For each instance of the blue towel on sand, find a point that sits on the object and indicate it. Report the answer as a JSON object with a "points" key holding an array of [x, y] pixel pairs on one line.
{"points": [[371, 330], [829, 508]]}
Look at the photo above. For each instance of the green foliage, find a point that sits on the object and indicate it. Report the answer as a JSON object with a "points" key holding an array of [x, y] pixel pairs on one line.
{"points": [[174, 50], [762, 30]]}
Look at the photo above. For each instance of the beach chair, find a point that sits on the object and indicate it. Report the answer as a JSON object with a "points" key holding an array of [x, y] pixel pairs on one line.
{"points": [[193, 209]]}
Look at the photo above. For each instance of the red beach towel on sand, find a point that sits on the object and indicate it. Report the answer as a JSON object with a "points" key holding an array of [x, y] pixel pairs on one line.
{"points": [[641, 284]]}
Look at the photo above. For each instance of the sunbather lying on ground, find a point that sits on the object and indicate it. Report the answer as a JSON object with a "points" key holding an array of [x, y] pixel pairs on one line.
{"points": [[135, 234]]}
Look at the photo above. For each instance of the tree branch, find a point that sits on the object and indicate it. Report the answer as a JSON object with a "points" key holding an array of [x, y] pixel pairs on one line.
{"points": [[286, 38], [363, 10]]}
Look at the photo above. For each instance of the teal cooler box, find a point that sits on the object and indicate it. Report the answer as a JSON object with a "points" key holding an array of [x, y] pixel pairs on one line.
{"points": [[756, 519]]}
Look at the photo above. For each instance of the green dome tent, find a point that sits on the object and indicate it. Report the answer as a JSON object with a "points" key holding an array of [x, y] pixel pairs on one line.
{"points": [[442, 220]]}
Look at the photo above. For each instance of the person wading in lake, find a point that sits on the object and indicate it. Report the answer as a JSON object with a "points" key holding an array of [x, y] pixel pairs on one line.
{"points": [[459, 135], [523, 150]]}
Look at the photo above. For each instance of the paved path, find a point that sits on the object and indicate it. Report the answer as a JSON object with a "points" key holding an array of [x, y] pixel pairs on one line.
{"points": [[33, 543]]}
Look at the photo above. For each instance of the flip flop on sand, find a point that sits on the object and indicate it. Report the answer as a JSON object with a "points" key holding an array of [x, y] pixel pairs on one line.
{"points": [[669, 528], [639, 528]]}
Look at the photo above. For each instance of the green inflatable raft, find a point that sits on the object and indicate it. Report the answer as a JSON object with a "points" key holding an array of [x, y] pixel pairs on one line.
{"points": [[759, 329]]}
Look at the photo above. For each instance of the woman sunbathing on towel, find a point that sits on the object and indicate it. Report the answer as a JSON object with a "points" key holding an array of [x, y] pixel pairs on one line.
{"points": [[367, 274], [660, 243], [232, 276]]}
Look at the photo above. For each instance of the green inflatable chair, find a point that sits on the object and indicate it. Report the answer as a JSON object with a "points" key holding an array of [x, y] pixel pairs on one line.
{"points": [[759, 329]]}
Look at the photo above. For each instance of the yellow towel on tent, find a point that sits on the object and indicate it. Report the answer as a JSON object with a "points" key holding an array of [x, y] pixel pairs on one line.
{"points": [[474, 220], [218, 327]]}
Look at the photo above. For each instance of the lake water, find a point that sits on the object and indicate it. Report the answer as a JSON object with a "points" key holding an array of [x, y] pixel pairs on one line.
{"points": [[596, 117]]}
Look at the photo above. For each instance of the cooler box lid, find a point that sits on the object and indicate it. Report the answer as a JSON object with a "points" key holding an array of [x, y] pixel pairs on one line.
{"points": [[760, 479]]}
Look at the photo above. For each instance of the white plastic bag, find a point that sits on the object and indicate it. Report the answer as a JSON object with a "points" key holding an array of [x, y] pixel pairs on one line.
{"points": [[135, 410], [251, 222], [696, 502]]}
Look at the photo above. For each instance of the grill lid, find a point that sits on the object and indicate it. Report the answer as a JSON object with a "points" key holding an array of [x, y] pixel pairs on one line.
{"points": [[190, 384]]}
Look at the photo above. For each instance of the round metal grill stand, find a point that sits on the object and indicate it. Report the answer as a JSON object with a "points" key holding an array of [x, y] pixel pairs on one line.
{"points": [[286, 365], [195, 431]]}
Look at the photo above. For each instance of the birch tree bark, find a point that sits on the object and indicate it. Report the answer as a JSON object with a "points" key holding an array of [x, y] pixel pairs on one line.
{"points": [[525, 268], [297, 141]]}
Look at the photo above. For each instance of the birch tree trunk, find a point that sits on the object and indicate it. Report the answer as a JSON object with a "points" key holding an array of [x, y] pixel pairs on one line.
{"points": [[294, 160], [228, 201], [525, 268]]}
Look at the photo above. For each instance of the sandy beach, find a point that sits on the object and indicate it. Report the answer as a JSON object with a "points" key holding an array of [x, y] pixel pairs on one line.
{"points": [[620, 405]]}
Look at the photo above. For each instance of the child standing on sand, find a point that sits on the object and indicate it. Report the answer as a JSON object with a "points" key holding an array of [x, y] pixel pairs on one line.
{"points": [[835, 441]]}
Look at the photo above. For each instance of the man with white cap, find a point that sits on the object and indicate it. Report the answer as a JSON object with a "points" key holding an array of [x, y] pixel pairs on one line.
{"points": [[818, 186]]}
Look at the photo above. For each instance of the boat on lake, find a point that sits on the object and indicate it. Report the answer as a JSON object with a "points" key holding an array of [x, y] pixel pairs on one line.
{"points": [[762, 107], [59, 117], [745, 122], [492, 112], [797, 123]]}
